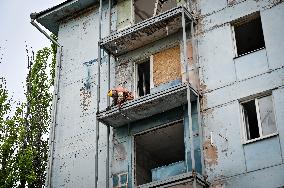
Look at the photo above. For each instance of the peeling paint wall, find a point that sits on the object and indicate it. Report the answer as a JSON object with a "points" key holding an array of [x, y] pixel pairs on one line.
{"points": [[225, 79], [74, 153], [125, 64]]}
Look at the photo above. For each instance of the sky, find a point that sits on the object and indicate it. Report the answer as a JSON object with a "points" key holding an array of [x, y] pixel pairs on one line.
{"points": [[15, 33]]}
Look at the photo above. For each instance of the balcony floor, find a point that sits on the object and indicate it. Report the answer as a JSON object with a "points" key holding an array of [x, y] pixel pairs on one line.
{"points": [[146, 106]]}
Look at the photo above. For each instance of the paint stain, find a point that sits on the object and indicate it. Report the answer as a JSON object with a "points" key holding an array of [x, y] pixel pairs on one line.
{"points": [[203, 87], [210, 153], [85, 99]]}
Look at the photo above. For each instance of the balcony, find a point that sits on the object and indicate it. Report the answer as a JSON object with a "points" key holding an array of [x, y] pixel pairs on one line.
{"points": [[183, 180], [145, 32], [146, 106]]}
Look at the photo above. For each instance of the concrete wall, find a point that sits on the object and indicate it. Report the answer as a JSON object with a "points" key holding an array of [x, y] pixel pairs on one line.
{"points": [[74, 155], [226, 79]]}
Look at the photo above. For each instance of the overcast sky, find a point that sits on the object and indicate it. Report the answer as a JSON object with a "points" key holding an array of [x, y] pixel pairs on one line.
{"points": [[15, 32]]}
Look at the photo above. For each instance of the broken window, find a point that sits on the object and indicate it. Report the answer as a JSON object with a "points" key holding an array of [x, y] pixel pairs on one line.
{"points": [[249, 36], [159, 153], [259, 117], [143, 78], [145, 9]]}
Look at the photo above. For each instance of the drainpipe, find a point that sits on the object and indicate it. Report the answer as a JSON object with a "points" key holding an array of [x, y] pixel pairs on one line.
{"points": [[54, 102], [98, 96], [108, 102], [188, 96]]}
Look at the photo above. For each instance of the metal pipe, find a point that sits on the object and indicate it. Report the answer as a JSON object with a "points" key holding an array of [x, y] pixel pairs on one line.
{"points": [[185, 55], [54, 104], [98, 96], [194, 57], [45, 33], [191, 131], [188, 96], [108, 102], [54, 116]]}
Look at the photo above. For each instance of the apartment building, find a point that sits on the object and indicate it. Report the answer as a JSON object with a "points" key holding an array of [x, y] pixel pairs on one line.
{"points": [[208, 81]]}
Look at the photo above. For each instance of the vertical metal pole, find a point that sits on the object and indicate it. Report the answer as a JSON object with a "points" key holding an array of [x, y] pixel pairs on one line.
{"points": [[188, 97], [185, 55], [200, 130], [54, 117], [194, 57], [108, 103], [98, 96], [54, 103]]}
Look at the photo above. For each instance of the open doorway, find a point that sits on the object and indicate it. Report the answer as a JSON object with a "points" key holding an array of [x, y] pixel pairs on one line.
{"points": [[143, 78], [145, 9], [158, 148]]}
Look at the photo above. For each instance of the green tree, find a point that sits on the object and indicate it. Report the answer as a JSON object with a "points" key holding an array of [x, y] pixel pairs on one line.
{"points": [[23, 135]]}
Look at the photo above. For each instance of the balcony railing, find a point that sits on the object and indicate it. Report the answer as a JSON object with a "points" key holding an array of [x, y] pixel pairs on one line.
{"points": [[183, 180], [145, 32]]}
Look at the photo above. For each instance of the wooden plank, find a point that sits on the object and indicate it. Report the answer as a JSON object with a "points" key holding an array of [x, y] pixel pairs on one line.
{"points": [[166, 66]]}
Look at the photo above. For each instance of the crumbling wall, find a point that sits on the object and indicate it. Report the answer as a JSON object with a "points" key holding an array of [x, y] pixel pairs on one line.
{"points": [[125, 64]]}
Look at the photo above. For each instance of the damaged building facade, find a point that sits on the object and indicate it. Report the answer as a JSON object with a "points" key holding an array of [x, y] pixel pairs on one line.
{"points": [[208, 81]]}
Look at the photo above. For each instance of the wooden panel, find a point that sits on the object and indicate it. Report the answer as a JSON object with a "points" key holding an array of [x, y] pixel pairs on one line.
{"points": [[166, 66]]}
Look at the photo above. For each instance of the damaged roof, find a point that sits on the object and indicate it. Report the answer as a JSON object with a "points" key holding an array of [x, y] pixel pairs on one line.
{"points": [[51, 17]]}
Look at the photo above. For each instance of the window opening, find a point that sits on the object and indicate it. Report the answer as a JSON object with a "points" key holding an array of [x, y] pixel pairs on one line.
{"points": [[145, 9], [251, 120], [249, 36], [143, 83], [158, 148], [259, 117]]}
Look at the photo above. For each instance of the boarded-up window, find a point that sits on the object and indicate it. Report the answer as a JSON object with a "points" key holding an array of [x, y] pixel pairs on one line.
{"points": [[166, 66]]}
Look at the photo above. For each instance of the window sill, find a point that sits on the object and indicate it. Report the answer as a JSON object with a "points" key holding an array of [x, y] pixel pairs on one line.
{"points": [[241, 55], [260, 138]]}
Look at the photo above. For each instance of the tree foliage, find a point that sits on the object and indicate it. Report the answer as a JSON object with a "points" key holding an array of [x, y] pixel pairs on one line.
{"points": [[24, 131]]}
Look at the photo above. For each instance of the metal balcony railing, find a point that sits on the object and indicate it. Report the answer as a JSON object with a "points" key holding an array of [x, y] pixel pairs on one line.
{"points": [[145, 32]]}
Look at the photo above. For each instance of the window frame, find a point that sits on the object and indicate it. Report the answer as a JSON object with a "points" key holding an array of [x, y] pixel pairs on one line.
{"points": [[133, 156], [150, 58], [241, 21], [243, 121]]}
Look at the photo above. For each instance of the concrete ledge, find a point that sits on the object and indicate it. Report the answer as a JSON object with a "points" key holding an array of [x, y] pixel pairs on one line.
{"points": [[145, 32]]}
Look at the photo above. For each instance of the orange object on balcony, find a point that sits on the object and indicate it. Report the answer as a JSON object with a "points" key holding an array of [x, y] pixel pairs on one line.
{"points": [[120, 95]]}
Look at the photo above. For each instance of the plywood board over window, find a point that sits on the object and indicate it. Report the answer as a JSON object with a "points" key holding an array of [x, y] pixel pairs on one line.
{"points": [[166, 66]]}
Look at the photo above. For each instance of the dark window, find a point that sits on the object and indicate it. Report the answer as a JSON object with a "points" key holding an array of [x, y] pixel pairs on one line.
{"points": [[251, 120], [259, 117], [157, 148], [249, 36], [143, 85]]}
